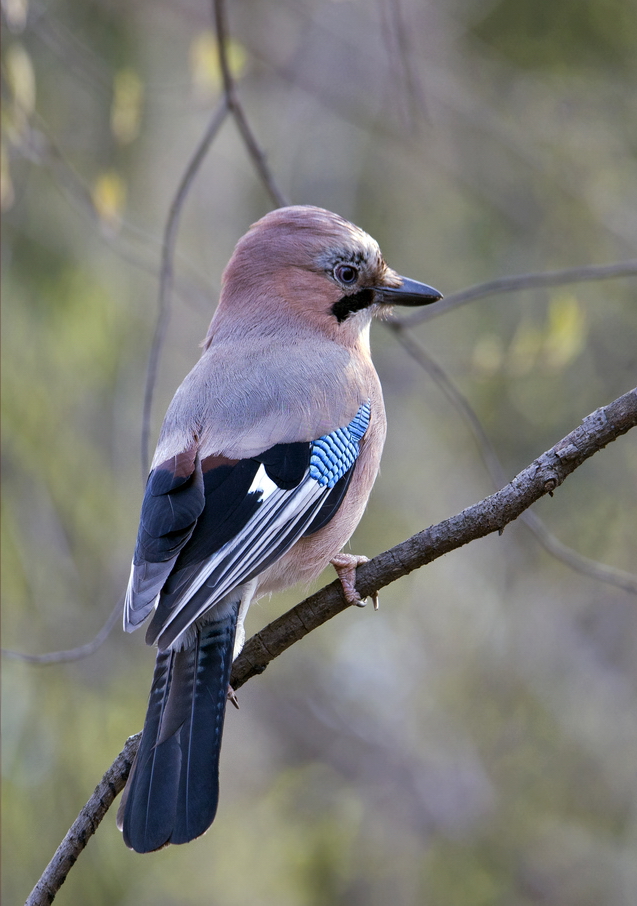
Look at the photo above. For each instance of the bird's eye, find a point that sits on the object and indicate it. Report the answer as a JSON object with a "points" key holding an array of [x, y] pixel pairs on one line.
{"points": [[346, 274]]}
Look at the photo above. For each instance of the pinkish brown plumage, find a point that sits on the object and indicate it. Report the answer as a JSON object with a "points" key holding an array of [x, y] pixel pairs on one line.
{"points": [[263, 468]]}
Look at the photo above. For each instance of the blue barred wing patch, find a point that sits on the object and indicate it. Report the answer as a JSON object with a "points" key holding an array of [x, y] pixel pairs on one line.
{"points": [[333, 454]]}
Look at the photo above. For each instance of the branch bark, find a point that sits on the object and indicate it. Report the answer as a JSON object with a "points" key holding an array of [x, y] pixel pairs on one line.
{"points": [[84, 826], [492, 514]]}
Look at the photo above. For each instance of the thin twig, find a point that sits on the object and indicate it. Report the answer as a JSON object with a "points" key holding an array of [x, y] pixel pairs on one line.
{"points": [[520, 282], [485, 447], [84, 827], [229, 104], [395, 35], [492, 514], [619, 578], [71, 654], [234, 105], [592, 568], [166, 272]]}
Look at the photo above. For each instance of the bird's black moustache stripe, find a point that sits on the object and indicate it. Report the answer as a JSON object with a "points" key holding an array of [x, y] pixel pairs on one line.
{"points": [[348, 304]]}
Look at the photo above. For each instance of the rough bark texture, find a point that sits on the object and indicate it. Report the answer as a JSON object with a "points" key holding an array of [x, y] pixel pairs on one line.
{"points": [[84, 826]]}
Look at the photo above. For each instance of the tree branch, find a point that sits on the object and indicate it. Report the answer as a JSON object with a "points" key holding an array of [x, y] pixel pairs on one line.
{"points": [[71, 654], [520, 282], [492, 514], [234, 105], [166, 272], [84, 826], [617, 577]]}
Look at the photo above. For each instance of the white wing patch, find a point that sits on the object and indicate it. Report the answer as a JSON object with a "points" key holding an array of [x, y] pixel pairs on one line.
{"points": [[280, 521]]}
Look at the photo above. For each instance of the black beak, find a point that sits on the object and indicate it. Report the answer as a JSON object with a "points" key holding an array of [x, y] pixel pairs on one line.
{"points": [[410, 293]]}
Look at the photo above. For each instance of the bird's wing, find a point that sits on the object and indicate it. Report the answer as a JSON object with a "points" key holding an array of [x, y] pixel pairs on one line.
{"points": [[208, 526]]}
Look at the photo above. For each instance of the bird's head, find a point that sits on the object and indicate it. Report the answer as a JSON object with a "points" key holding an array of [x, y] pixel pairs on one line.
{"points": [[310, 266]]}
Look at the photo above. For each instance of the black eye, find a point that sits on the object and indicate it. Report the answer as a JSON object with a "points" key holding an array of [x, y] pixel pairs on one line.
{"points": [[346, 274]]}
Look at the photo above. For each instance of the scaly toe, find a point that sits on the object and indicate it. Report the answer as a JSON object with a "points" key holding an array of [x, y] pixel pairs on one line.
{"points": [[345, 566]]}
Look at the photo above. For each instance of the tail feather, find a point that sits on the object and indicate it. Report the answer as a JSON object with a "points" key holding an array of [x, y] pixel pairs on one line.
{"points": [[173, 789]]}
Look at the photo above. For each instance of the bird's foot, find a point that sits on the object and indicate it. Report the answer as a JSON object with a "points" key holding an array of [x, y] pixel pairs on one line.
{"points": [[232, 697], [345, 566]]}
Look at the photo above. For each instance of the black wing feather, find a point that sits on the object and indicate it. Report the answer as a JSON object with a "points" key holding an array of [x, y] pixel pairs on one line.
{"points": [[171, 507], [286, 464], [228, 506], [331, 504]]}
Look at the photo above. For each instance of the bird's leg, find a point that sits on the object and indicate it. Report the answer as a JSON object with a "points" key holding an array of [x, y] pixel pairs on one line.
{"points": [[247, 596], [240, 634], [345, 566]]}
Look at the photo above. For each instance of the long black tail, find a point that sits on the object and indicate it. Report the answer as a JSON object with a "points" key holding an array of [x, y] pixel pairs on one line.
{"points": [[173, 788]]}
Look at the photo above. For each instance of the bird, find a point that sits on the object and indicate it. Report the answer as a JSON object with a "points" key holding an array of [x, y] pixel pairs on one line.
{"points": [[264, 464]]}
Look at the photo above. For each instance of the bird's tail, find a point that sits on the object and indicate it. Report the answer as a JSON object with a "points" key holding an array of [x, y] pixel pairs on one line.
{"points": [[172, 792]]}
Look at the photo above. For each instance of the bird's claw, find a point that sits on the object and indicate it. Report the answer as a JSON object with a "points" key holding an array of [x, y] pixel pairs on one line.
{"points": [[345, 566], [232, 697]]}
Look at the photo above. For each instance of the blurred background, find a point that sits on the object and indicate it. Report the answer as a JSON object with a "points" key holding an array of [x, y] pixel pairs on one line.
{"points": [[475, 741]]}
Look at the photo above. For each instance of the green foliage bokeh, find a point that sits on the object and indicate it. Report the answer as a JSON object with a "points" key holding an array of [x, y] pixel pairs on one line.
{"points": [[473, 743]]}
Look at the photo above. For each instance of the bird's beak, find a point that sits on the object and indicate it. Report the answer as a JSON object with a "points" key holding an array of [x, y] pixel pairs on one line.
{"points": [[409, 293]]}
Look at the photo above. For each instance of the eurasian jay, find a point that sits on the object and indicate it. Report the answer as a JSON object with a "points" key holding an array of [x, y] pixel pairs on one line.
{"points": [[265, 461]]}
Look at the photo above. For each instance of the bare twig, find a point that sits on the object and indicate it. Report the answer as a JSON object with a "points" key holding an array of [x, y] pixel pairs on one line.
{"points": [[619, 578], [234, 105], [166, 272], [229, 104], [592, 568], [543, 476], [395, 34], [520, 282], [71, 654], [84, 827]]}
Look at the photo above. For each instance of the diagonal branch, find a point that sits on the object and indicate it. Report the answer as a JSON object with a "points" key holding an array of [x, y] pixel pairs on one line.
{"points": [[84, 826], [492, 514], [592, 568]]}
